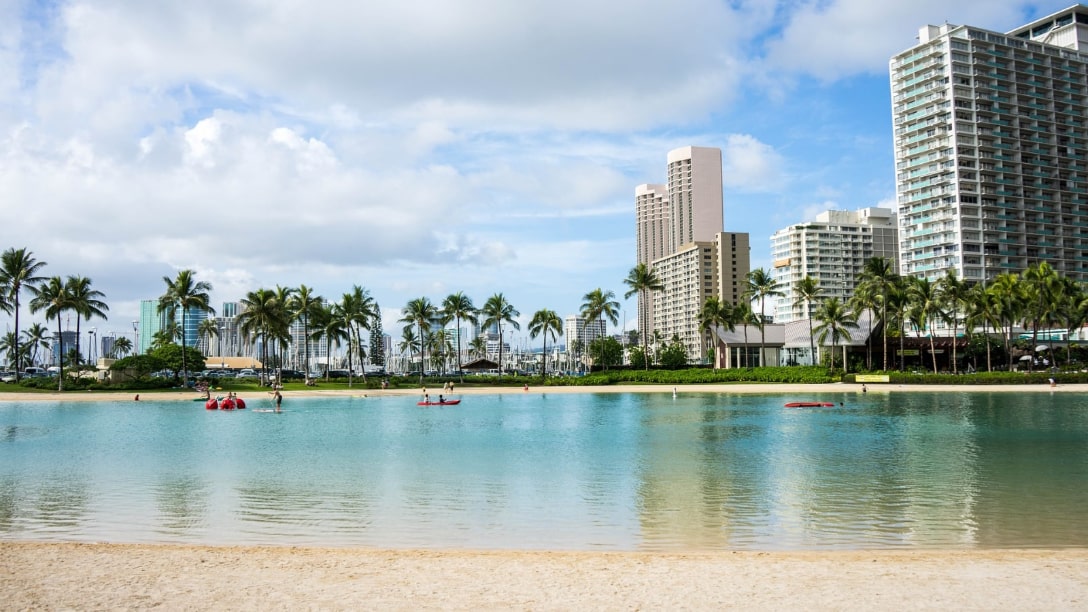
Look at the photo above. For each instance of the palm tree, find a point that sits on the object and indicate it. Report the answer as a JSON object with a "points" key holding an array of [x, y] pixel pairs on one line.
{"points": [[877, 277], [496, 311], [955, 295], [981, 309], [597, 305], [644, 281], [410, 342], [458, 307], [36, 336], [808, 291], [8, 344], [334, 329], [714, 314], [185, 293], [262, 317], [51, 297], [18, 270], [422, 313], [478, 347], [925, 308], [121, 346], [206, 330], [835, 322], [1069, 298], [1008, 305], [897, 299], [303, 306], [545, 322], [761, 285], [85, 303], [1040, 286], [743, 314]]}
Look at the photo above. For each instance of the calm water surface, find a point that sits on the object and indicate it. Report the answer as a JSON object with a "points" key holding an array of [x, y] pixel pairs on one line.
{"points": [[533, 471]]}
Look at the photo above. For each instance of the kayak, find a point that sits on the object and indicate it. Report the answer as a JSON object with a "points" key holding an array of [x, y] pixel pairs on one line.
{"points": [[809, 404], [453, 402]]}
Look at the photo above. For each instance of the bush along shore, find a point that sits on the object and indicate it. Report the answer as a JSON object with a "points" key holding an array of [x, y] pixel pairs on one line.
{"points": [[690, 376]]}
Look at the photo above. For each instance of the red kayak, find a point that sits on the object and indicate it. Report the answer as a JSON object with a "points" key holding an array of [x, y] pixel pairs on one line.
{"points": [[809, 405], [442, 403]]}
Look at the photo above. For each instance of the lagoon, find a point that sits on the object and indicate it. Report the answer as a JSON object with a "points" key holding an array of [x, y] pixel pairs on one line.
{"points": [[613, 471]]}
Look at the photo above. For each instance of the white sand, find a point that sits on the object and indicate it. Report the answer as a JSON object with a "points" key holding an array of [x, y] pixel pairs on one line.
{"points": [[110, 576], [104, 576]]}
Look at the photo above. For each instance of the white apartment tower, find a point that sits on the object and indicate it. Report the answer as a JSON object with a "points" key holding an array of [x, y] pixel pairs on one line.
{"points": [[991, 150], [833, 250], [679, 235]]}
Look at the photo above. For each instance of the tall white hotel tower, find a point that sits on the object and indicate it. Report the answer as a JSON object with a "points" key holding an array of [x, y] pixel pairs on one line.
{"points": [[679, 235], [991, 150]]}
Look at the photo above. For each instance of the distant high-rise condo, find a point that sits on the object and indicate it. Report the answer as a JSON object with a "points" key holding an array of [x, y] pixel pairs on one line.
{"points": [[991, 148]]}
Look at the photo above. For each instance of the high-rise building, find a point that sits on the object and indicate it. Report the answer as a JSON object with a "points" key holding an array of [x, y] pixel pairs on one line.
{"points": [[679, 236], [833, 250], [690, 275], [990, 148], [575, 327], [151, 322], [695, 195]]}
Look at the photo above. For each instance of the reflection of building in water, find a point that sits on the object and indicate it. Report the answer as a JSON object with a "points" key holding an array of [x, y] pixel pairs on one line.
{"points": [[697, 484]]}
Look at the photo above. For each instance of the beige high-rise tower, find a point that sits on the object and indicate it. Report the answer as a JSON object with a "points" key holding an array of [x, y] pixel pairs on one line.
{"points": [[679, 235]]}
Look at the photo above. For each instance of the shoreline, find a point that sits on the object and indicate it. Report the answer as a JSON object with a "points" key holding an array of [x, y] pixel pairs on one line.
{"points": [[735, 388], [121, 576]]}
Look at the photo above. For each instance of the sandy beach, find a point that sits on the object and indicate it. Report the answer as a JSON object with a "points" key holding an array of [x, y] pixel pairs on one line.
{"points": [[106, 576], [91, 576]]}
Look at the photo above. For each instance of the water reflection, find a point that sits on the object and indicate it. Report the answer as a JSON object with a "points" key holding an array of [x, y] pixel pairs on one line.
{"points": [[619, 471], [182, 503]]}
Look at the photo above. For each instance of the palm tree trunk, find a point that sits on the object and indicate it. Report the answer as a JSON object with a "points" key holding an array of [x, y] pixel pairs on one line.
{"points": [[60, 352], [500, 352]]}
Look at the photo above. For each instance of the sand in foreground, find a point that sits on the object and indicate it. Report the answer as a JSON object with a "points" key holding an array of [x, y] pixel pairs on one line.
{"points": [[109, 576]]}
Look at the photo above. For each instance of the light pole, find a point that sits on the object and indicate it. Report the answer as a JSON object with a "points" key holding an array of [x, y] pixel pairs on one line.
{"points": [[136, 332]]}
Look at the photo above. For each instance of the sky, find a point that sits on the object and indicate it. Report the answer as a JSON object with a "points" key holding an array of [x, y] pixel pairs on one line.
{"points": [[423, 147]]}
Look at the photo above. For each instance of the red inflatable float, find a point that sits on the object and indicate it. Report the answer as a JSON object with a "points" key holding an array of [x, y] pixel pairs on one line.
{"points": [[212, 404]]}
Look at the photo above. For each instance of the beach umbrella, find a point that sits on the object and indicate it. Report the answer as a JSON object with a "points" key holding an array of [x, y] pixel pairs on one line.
{"points": [[1041, 347], [1026, 358]]}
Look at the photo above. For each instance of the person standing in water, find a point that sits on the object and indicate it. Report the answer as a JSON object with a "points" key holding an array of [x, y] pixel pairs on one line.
{"points": [[278, 399]]}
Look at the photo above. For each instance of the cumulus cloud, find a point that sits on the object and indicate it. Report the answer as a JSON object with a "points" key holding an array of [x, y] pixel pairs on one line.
{"points": [[839, 38], [750, 165], [413, 146]]}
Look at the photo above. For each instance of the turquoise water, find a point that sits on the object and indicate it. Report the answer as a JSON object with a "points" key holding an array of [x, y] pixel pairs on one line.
{"points": [[561, 472]]}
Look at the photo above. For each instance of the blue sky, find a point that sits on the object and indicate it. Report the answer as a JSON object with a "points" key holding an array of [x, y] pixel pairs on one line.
{"points": [[420, 148]]}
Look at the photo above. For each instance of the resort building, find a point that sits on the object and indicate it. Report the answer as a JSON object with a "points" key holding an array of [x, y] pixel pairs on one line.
{"points": [[693, 273], [990, 148], [679, 235], [833, 250]]}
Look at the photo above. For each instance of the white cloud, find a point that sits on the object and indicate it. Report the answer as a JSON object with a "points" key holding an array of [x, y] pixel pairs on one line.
{"points": [[750, 165], [838, 38]]}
